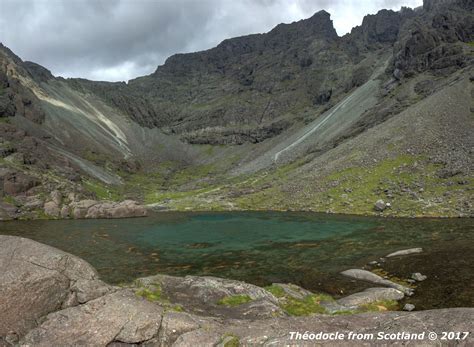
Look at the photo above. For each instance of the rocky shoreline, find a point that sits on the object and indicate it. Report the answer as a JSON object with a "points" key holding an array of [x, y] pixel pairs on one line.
{"points": [[52, 298]]}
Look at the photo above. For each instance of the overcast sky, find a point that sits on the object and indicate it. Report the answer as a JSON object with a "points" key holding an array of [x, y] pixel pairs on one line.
{"points": [[117, 40]]}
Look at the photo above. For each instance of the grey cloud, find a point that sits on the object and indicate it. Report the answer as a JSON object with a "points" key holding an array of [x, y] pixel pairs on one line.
{"points": [[122, 39]]}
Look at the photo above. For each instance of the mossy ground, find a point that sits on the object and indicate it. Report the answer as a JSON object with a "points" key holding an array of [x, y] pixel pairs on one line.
{"points": [[382, 305], [311, 304], [150, 294], [230, 340], [234, 300]]}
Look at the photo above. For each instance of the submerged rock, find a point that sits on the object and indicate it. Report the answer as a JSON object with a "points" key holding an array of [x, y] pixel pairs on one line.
{"points": [[418, 276], [371, 295], [405, 252], [368, 276]]}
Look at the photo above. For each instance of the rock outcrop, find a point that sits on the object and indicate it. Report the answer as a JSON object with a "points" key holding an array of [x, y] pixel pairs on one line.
{"points": [[36, 280], [93, 209], [123, 209]]}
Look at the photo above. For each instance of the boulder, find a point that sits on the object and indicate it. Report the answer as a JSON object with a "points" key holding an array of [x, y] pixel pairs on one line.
{"points": [[51, 209], [35, 280], [368, 276], [371, 295], [33, 202], [119, 316], [96, 209], [380, 205], [65, 212], [57, 197], [80, 208], [408, 307]]}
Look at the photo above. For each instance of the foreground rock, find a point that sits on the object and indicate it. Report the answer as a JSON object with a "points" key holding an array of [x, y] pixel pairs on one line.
{"points": [[214, 296], [119, 316], [36, 279], [368, 276], [51, 298]]}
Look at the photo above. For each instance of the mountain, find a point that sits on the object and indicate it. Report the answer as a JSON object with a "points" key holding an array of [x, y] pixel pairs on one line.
{"points": [[297, 118]]}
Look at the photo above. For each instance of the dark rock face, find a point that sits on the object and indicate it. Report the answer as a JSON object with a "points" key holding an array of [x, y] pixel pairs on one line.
{"points": [[238, 92], [215, 96], [38, 72], [16, 183], [431, 41], [16, 100]]}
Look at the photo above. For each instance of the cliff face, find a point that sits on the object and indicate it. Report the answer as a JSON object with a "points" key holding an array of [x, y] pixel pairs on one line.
{"points": [[254, 87]]}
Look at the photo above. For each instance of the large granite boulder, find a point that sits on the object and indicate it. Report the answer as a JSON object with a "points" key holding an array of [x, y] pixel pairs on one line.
{"points": [[37, 279], [120, 316], [106, 209]]}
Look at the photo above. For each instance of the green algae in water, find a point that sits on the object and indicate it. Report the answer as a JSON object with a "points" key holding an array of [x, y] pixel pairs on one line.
{"points": [[307, 249]]}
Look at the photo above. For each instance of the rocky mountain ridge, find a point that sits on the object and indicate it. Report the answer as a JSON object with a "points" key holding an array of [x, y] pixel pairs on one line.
{"points": [[247, 124]]}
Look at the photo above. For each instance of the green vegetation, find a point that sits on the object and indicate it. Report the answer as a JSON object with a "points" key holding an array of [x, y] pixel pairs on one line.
{"points": [[234, 300], [230, 340], [412, 182], [9, 200], [149, 294], [102, 191], [382, 273], [304, 307], [382, 305], [277, 291]]}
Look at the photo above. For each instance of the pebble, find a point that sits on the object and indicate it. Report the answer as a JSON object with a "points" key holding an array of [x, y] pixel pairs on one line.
{"points": [[408, 307], [418, 276]]}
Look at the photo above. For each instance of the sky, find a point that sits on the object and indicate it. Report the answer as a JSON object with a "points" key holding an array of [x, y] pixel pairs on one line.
{"points": [[117, 40]]}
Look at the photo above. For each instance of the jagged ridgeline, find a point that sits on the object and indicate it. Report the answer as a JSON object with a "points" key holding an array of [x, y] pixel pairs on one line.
{"points": [[297, 118]]}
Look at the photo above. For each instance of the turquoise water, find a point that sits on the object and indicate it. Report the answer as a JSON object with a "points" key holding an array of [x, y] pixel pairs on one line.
{"points": [[264, 247]]}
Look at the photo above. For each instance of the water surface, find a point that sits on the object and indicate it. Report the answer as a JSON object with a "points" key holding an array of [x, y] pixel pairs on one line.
{"points": [[263, 247]]}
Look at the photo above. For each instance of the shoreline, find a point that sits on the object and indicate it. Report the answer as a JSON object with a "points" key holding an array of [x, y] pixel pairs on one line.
{"points": [[162, 310]]}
